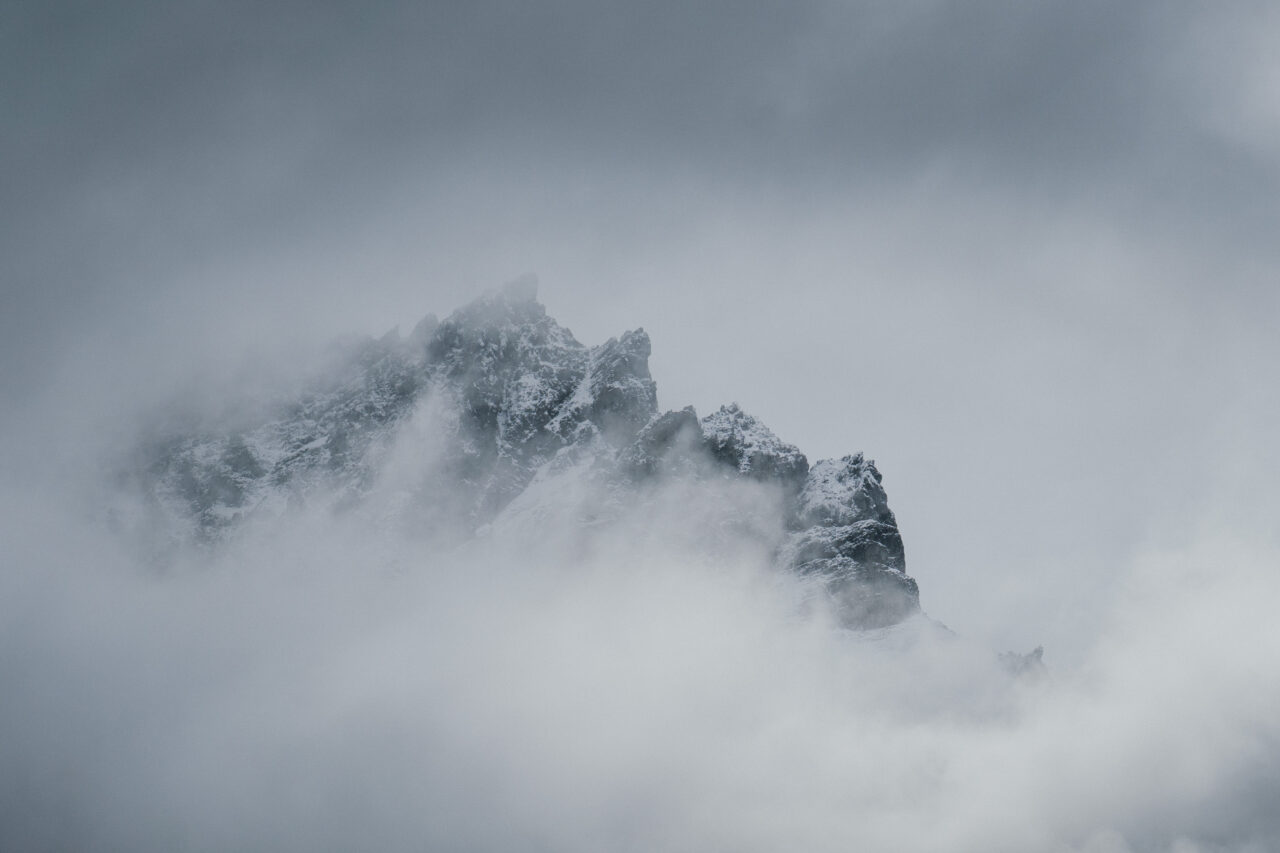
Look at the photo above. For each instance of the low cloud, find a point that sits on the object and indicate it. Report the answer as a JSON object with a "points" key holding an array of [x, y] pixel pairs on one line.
{"points": [[325, 683]]}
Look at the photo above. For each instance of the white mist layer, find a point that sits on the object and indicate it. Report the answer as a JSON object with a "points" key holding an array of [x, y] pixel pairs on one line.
{"points": [[317, 687]]}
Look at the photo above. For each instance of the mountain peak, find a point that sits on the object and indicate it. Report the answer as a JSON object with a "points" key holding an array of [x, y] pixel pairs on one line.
{"points": [[526, 408]]}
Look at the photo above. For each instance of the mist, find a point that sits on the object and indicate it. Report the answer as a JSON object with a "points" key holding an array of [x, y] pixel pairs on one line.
{"points": [[330, 681], [1022, 255]]}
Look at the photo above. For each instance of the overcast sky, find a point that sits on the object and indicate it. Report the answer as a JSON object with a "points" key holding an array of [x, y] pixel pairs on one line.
{"points": [[1022, 254]]}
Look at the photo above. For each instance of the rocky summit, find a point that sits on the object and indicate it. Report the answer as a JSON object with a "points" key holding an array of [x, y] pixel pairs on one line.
{"points": [[470, 423]]}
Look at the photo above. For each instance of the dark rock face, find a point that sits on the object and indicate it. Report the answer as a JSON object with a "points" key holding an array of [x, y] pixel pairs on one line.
{"points": [[670, 443], [849, 538], [520, 401], [750, 448]]}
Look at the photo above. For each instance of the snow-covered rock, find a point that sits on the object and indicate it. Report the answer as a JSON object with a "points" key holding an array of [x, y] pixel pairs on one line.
{"points": [[751, 448], [496, 419], [848, 538]]}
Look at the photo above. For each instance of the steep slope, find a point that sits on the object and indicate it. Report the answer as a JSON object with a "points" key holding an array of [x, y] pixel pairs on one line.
{"points": [[497, 418]]}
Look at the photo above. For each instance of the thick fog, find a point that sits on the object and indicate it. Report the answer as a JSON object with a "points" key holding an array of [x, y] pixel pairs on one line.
{"points": [[1021, 254], [326, 681]]}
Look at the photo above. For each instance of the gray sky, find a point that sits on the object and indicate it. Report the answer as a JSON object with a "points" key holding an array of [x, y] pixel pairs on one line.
{"points": [[1022, 254]]}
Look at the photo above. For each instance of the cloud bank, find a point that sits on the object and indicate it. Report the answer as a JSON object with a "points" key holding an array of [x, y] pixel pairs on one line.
{"points": [[325, 683]]}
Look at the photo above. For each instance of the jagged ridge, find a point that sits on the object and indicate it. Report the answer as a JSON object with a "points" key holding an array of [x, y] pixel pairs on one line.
{"points": [[524, 400]]}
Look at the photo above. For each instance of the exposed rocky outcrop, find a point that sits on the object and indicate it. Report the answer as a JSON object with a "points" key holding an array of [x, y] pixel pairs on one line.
{"points": [[847, 536], [750, 448], [508, 402]]}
